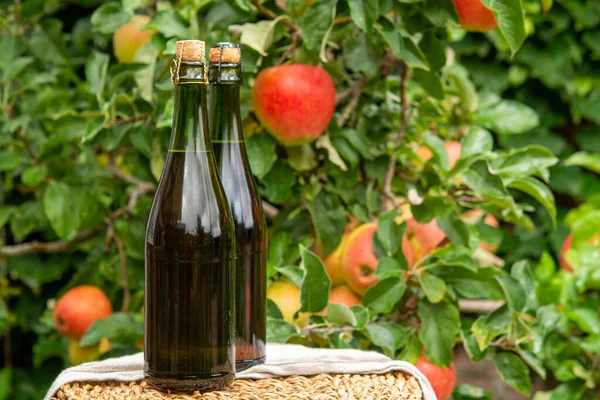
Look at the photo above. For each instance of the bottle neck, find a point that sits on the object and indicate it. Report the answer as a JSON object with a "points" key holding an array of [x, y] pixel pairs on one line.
{"points": [[225, 106], [190, 127]]}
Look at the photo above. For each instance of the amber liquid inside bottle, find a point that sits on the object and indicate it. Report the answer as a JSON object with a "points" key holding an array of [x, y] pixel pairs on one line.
{"points": [[190, 250], [248, 218]]}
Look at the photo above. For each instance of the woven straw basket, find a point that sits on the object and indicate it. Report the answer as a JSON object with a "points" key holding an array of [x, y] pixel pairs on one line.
{"points": [[396, 386]]}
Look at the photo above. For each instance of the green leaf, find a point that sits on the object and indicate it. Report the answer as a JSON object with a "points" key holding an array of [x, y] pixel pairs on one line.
{"points": [[273, 311], [109, 17], [261, 154], [524, 161], [157, 161], [47, 43], [26, 218], [538, 191], [469, 99], [440, 324], [259, 35], [10, 160], [430, 81], [316, 24], [508, 117], [364, 13], [585, 159], [362, 316], [587, 319], [278, 245], [278, 183], [413, 56], [279, 331], [382, 336], [509, 14], [434, 51], [4, 317], [329, 220], [388, 267], [361, 54], [5, 213], [316, 284], [487, 327], [433, 287], [340, 314], [513, 372], [590, 344], [389, 233], [58, 206], [96, 69], [382, 297], [119, 328], [471, 346], [568, 391], [489, 186], [534, 363], [5, 382], [34, 272], [34, 175], [302, 158], [144, 78], [513, 292], [292, 272], [170, 24], [15, 67], [477, 140], [455, 229]]}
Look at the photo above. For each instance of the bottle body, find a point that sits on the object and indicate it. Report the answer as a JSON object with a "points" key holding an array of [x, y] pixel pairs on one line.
{"points": [[190, 251], [248, 218]]}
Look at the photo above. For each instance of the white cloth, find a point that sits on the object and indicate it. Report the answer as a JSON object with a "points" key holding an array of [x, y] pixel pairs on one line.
{"points": [[282, 360]]}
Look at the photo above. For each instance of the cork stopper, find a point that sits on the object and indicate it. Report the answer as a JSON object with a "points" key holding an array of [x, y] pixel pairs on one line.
{"points": [[225, 53], [189, 50]]}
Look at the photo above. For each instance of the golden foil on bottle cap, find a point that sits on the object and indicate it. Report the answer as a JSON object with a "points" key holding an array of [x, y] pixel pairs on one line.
{"points": [[225, 55], [190, 50]]}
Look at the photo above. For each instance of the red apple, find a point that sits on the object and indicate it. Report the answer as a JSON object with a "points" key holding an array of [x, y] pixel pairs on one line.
{"points": [[294, 102], [358, 260], [78, 308], [474, 16], [343, 295], [423, 238], [443, 380], [453, 149], [128, 39]]}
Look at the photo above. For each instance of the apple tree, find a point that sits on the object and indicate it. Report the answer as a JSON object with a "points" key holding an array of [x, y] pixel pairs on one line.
{"points": [[388, 216]]}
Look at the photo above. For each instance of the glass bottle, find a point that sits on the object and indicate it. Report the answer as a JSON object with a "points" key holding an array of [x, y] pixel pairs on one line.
{"points": [[190, 249], [225, 78]]}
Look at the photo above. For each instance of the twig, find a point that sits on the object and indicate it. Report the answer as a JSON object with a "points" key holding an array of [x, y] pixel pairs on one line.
{"points": [[270, 210], [478, 306], [355, 92], [387, 185], [484, 257], [142, 187], [291, 49], [341, 20], [330, 329], [270, 14], [112, 237], [59, 246]]}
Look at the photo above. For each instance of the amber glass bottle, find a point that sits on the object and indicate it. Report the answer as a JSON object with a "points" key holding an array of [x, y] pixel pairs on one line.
{"points": [[190, 249], [225, 78]]}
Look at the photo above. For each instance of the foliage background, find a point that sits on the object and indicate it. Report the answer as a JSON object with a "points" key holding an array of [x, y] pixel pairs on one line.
{"points": [[83, 137]]}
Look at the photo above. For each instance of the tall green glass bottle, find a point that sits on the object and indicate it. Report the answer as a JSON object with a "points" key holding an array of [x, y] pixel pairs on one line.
{"points": [[225, 78], [190, 249]]}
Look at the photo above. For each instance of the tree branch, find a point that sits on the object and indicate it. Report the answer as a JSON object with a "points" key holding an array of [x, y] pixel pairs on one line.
{"points": [[388, 196], [59, 246], [354, 91], [271, 15]]}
